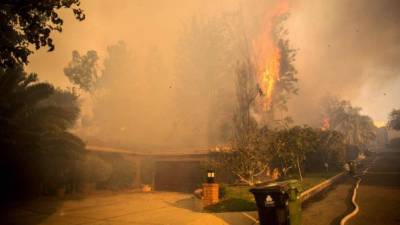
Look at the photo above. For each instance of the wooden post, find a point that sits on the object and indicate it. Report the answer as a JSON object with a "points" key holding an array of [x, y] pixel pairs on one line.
{"points": [[137, 180], [210, 194]]}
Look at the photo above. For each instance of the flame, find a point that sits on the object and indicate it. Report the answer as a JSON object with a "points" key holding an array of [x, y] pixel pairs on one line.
{"points": [[325, 124], [267, 57]]}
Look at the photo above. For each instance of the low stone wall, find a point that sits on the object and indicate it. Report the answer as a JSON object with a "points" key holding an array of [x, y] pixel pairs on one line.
{"points": [[307, 194]]}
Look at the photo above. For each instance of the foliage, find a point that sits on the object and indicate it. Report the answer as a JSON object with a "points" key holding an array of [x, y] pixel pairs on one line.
{"points": [[122, 176], [247, 158], [235, 199], [290, 147], [82, 70], [357, 129], [30, 22], [95, 169], [395, 143], [239, 198], [206, 52], [287, 82], [394, 119], [106, 90], [330, 150], [34, 118]]}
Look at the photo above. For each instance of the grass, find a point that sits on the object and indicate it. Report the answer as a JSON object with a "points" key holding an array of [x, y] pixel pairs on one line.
{"points": [[238, 198], [312, 179]]}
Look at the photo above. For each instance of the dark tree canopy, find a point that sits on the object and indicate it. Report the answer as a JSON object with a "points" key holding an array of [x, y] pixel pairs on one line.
{"points": [[287, 84], [34, 118], [394, 119], [82, 71], [26, 22]]}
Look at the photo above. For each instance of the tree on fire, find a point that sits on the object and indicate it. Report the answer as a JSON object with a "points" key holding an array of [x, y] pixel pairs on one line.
{"points": [[247, 158], [30, 22], [357, 129], [287, 83]]}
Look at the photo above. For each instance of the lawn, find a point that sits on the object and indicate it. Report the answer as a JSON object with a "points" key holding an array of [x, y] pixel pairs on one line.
{"points": [[238, 198]]}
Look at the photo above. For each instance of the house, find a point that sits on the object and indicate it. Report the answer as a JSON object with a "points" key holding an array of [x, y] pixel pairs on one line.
{"points": [[180, 170]]}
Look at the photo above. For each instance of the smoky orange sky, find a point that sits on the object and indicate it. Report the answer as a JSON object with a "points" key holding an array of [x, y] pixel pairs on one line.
{"points": [[348, 48]]}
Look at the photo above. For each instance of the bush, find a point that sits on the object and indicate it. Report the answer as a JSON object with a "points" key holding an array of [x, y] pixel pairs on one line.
{"points": [[222, 191], [394, 143], [95, 170], [122, 175]]}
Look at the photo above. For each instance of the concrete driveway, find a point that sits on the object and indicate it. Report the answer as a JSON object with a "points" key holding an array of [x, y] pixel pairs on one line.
{"points": [[123, 208]]}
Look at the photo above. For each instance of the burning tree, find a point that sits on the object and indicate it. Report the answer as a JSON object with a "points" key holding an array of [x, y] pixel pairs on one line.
{"points": [[264, 82], [341, 116], [247, 158], [273, 60]]}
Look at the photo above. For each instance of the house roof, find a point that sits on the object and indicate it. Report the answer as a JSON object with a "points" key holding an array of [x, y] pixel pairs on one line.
{"points": [[151, 151]]}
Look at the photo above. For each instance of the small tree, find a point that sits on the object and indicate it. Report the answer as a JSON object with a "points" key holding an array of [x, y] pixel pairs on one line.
{"points": [[330, 150], [245, 161], [291, 146]]}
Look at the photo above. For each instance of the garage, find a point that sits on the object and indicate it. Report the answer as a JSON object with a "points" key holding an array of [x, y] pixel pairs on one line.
{"points": [[180, 176]]}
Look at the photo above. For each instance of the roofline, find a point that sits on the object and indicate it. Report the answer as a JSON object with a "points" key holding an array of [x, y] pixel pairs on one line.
{"points": [[96, 148]]}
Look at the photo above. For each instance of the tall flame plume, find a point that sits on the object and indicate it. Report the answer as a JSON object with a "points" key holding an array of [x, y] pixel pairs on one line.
{"points": [[267, 57]]}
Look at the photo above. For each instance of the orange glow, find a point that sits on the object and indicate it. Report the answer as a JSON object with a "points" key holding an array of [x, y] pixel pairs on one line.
{"points": [[325, 124], [267, 57]]}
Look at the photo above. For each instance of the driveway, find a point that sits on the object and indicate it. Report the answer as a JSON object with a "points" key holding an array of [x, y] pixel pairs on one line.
{"points": [[124, 208]]}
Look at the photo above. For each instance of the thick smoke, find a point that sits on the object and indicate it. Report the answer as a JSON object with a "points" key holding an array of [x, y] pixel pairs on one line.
{"points": [[346, 48]]}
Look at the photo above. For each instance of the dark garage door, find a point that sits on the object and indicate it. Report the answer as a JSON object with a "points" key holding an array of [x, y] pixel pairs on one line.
{"points": [[181, 176]]}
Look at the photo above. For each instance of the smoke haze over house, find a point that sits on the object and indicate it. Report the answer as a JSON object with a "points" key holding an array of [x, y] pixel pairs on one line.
{"points": [[345, 48]]}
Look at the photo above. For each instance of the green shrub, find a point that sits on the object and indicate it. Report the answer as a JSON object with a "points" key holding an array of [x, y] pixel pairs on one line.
{"points": [[95, 169]]}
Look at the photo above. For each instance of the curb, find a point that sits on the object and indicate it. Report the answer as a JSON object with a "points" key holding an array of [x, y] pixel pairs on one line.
{"points": [[307, 194]]}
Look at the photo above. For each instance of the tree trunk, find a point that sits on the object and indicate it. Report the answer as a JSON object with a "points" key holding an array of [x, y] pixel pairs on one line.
{"points": [[298, 167]]}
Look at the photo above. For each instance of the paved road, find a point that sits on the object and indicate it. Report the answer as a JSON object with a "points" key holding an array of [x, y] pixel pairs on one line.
{"points": [[160, 208], [379, 193], [330, 207]]}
